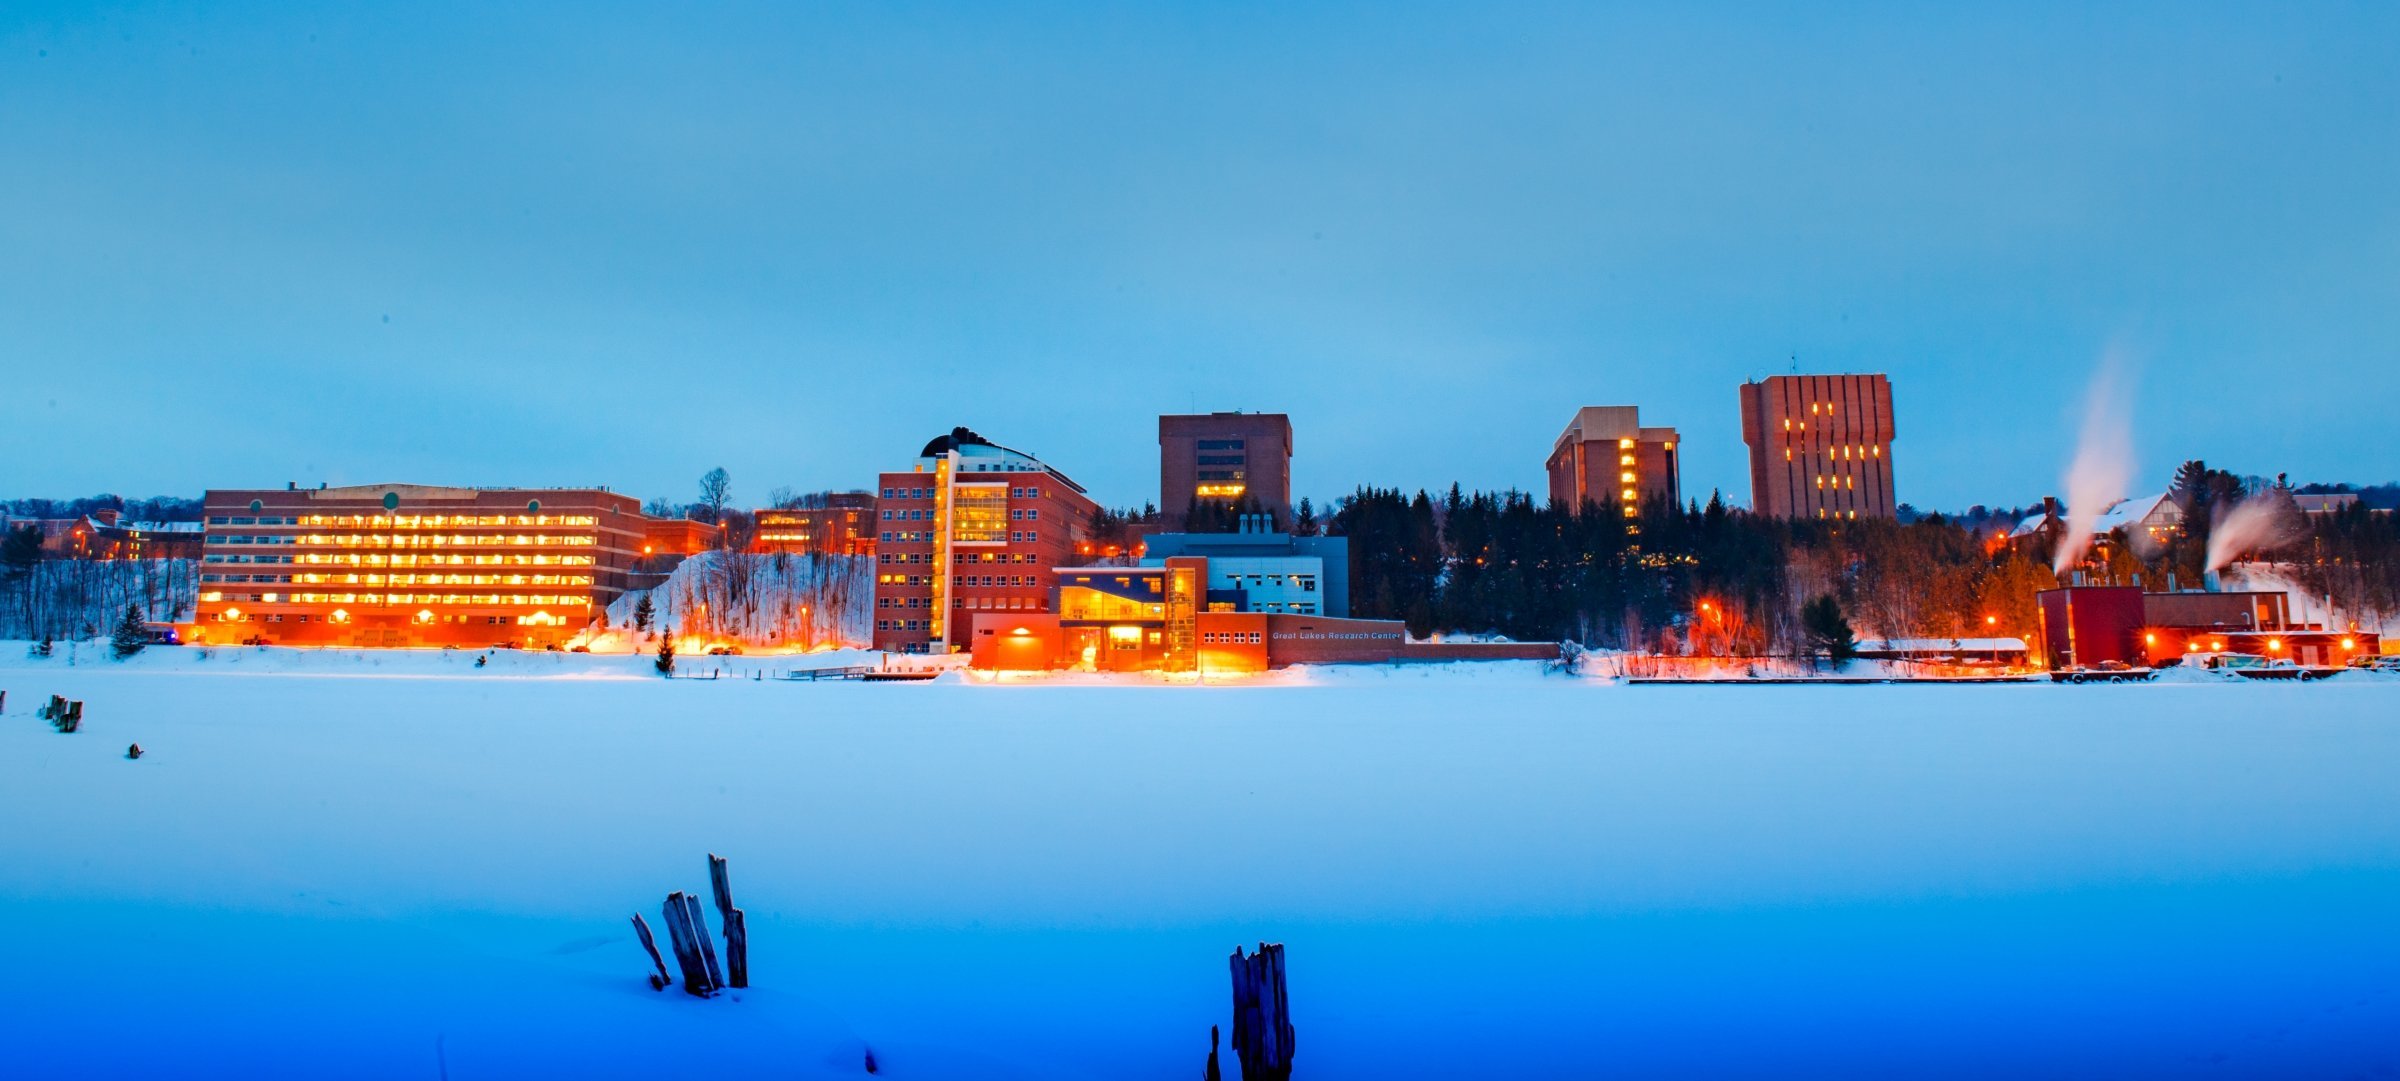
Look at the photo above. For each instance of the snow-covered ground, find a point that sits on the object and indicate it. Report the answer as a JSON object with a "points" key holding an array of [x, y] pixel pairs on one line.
{"points": [[342, 864]]}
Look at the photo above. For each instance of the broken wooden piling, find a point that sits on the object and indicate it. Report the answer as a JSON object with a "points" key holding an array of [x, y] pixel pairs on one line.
{"points": [[686, 940], [737, 932], [660, 981], [708, 946], [1262, 1025]]}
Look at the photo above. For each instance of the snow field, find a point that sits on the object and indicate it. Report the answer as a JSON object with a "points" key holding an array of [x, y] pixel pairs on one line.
{"points": [[333, 863]]}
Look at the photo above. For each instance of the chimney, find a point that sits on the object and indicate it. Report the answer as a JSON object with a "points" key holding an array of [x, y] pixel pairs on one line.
{"points": [[2050, 506], [291, 486]]}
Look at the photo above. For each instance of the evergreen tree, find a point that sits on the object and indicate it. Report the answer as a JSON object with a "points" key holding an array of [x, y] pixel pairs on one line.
{"points": [[20, 552], [643, 610], [666, 651], [1304, 521], [130, 637], [1827, 630], [43, 647]]}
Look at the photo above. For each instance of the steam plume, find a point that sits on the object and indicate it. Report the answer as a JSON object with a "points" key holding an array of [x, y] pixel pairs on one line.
{"points": [[2103, 461], [2261, 521]]}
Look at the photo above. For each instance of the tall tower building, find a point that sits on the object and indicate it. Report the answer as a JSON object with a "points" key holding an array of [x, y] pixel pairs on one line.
{"points": [[1606, 457], [1820, 446], [970, 528], [1230, 458]]}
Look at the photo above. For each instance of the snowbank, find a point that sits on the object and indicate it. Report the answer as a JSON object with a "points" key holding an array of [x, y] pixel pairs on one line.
{"points": [[772, 601]]}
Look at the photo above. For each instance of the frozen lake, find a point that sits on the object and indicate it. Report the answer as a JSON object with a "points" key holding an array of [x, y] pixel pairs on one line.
{"points": [[398, 865]]}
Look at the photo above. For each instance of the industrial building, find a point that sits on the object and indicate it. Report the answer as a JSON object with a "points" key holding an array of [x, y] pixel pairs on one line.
{"points": [[413, 565], [1606, 457], [1820, 446], [970, 527], [2086, 626], [1236, 460]]}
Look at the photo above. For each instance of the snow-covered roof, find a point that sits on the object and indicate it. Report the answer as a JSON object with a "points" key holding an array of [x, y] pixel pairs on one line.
{"points": [[1943, 645], [2130, 512], [2031, 525]]}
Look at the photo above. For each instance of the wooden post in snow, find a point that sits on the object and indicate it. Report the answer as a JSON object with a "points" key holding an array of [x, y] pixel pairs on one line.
{"points": [[1262, 1022], [660, 981], [678, 914], [737, 933], [1212, 1074], [708, 947]]}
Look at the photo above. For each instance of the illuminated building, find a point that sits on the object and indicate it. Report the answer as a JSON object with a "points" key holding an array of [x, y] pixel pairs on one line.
{"points": [[1263, 571], [2089, 625], [1242, 460], [1606, 458], [969, 528], [1820, 446], [1170, 615], [105, 534], [832, 523], [413, 565]]}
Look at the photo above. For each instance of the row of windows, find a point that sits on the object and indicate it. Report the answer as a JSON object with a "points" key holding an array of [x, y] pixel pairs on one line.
{"points": [[245, 578], [1220, 459], [961, 557], [1008, 604], [964, 581], [907, 515], [446, 560], [214, 558], [1307, 582], [904, 625], [462, 540], [908, 493], [446, 579], [903, 579], [486, 600], [1219, 444], [226, 520], [1229, 638], [1220, 474], [903, 602], [905, 536]]}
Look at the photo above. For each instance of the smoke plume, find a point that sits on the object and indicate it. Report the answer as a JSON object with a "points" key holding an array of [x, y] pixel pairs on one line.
{"points": [[2103, 461], [2259, 522]]}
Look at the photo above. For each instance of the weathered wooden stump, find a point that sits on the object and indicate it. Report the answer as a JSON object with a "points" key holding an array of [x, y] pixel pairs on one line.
{"points": [[708, 946], [1212, 1073], [134, 751], [1262, 1024], [686, 941], [659, 981], [69, 717], [737, 931]]}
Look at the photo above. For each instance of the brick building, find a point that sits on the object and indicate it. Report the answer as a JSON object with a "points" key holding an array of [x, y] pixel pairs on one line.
{"points": [[1605, 457], [1820, 446], [969, 528], [1242, 460], [413, 565], [833, 523]]}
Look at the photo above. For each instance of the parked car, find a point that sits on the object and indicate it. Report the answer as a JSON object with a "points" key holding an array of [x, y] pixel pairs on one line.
{"points": [[2376, 664]]}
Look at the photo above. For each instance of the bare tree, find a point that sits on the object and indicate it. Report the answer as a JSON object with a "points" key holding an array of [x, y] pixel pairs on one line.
{"points": [[716, 490]]}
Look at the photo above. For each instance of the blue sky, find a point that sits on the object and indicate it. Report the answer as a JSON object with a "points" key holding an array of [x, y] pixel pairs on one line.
{"points": [[570, 244]]}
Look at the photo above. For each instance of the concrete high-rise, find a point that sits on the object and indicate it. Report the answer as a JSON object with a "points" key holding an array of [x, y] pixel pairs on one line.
{"points": [[1606, 457], [1820, 446], [1241, 460]]}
